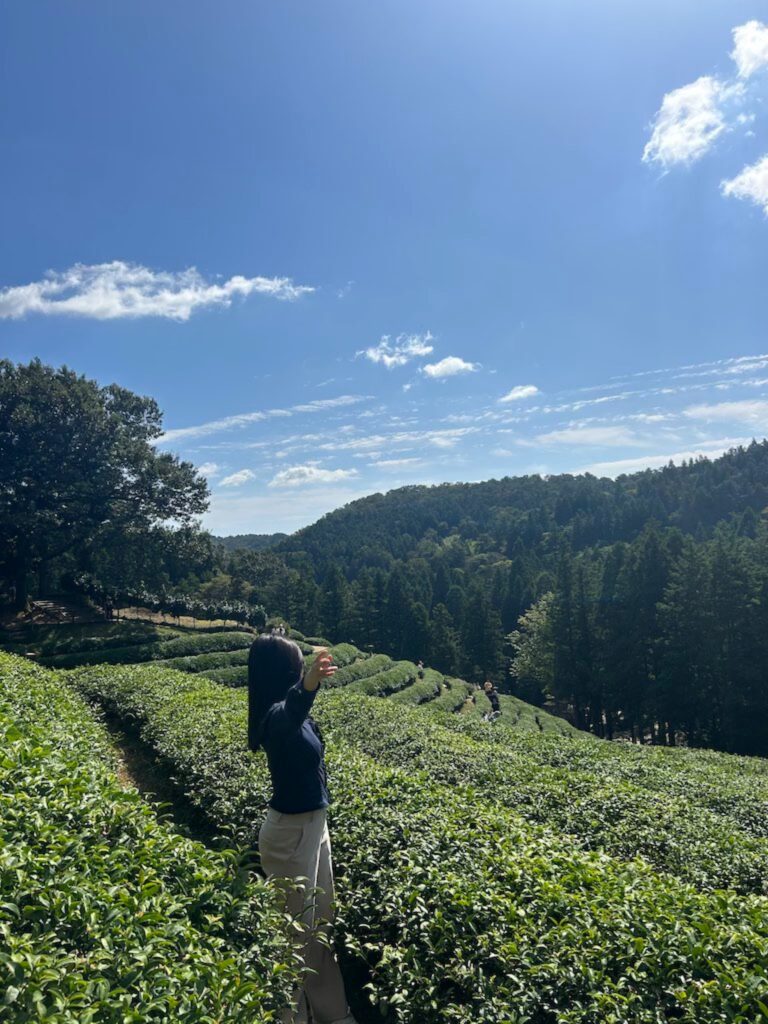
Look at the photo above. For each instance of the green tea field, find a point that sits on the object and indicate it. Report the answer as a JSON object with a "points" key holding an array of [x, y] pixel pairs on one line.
{"points": [[509, 872]]}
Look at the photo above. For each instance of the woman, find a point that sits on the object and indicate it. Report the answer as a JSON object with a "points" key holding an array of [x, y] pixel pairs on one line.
{"points": [[294, 840]]}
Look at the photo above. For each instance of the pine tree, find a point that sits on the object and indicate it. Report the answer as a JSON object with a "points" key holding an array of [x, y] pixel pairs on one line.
{"points": [[443, 649], [334, 605], [686, 684], [416, 635]]}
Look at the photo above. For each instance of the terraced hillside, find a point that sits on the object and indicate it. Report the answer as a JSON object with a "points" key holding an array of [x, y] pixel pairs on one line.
{"points": [[516, 871], [461, 908]]}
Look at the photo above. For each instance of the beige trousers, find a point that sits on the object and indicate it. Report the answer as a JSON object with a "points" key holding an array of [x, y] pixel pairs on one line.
{"points": [[299, 846]]}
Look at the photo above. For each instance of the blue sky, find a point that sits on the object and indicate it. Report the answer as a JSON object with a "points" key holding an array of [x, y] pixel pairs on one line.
{"points": [[350, 246]]}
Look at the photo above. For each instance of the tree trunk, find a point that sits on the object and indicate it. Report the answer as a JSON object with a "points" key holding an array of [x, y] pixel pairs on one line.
{"points": [[21, 587]]}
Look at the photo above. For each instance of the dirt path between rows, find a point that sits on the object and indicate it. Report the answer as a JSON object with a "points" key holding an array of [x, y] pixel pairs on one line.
{"points": [[138, 768]]}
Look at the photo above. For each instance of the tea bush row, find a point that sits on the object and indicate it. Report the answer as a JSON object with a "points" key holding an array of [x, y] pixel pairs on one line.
{"points": [[106, 914], [732, 786], [189, 644], [400, 675], [236, 675], [361, 669], [204, 662], [345, 654], [625, 820], [517, 716], [463, 911], [422, 690], [64, 639]]}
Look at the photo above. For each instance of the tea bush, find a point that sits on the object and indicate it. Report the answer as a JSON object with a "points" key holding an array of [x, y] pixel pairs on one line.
{"points": [[346, 654], [188, 644], [732, 786], [235, 675], [107, 914], [361, 669], [421, 690], [400, 675], [463, 911], [622, 818], [204, 662]]}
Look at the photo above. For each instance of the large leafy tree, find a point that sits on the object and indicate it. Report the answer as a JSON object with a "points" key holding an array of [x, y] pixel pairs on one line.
{"points": [[78, 463]]}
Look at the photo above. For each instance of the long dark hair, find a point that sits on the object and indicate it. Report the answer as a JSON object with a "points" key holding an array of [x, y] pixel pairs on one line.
{"points": [[275, 663]]}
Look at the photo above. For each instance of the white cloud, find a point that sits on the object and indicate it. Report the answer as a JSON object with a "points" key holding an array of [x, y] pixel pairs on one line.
{"points": [[244, 418], [604, 437], [402, 350], [297, 476], [327, 403], [208, 469], [708, 449], [448, 367], [750, 50], [212, 427], [109, 291], [751, 184], [386, 442], [520, 392], [237, 479], [748, 413], [689, 121], [276, 510], [395, 463]]}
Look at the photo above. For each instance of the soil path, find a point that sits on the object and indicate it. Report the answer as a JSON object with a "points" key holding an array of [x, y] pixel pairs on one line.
{"points": [[138, 767]]}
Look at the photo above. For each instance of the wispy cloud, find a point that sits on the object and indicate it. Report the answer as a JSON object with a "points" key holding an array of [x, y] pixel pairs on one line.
{"points": [[449, 367], [707, 449], [750, 184], [299, 476], [750, 49], [395, 463], [689, 121], [245, 418], [110, 291], [599, 437], [385, 442], [243, 476], [747, 413], [327, 403], [208, 469], [399, 352], [518, 393]]}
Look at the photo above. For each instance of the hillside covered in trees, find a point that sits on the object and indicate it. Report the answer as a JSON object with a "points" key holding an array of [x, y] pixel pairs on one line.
{"points": [[643, 600]]}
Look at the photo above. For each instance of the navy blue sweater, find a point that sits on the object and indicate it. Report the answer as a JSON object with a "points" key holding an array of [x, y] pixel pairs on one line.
{"points": [[296, 754]]}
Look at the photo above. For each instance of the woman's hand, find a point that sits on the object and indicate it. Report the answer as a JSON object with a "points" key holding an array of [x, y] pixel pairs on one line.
{"points": [[322, 668]]}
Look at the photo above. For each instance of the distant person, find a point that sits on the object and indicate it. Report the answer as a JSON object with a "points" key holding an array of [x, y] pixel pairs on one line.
{"points": [[293, 840], [493, 696], [420, 667]]}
